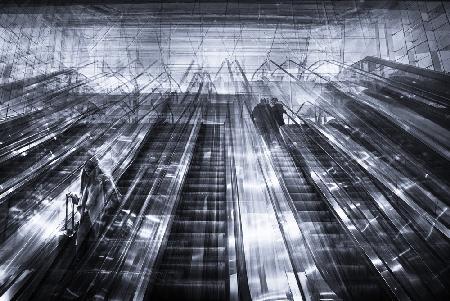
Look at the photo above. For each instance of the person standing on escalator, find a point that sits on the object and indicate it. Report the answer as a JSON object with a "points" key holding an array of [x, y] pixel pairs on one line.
{"points": [[165, 110], [278, 111], [263, 118], [99, 199]]}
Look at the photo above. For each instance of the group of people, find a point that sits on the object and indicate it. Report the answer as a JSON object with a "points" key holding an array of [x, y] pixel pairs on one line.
{"points": [[268, 117]]}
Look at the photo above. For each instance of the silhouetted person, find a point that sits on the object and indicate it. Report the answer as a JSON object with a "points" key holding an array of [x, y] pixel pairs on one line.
{"points": [[278, 111], [165, 110], [99, 201], [264, 120], [99, 198]]}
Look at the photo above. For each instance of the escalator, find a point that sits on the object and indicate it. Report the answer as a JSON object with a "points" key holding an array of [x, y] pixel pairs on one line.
{"points": [[436, 113], [431, 249], [22, 203], [367, 120], [193, 265], [84, 276], [53, 270], [422, 81], [38, 209], [408, 88], [420, 128], [135, 181], [419, 257], [340, 262]]}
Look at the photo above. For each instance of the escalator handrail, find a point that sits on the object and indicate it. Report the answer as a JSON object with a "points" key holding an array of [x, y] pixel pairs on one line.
{"points": [[406, 68]]}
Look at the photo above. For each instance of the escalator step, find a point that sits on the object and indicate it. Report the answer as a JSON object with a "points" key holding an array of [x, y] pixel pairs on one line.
{"points": [[212, 270], [300, 188], [305, 196], [200, 195], [311, 205], [315, 216], [194, 253], [199, 226], [205, 188], [322, 227], [196, 238], [294, 180], [215, 180], [199, 203], [201, 215], [190, 290]]}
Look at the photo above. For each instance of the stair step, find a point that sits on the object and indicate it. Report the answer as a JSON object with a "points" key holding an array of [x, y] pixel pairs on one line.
{"points": [[201, 215], [189, 290], [301, 205], [315, 216], [195, 253], [194, 270], [199, 226], [189, 240]]}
